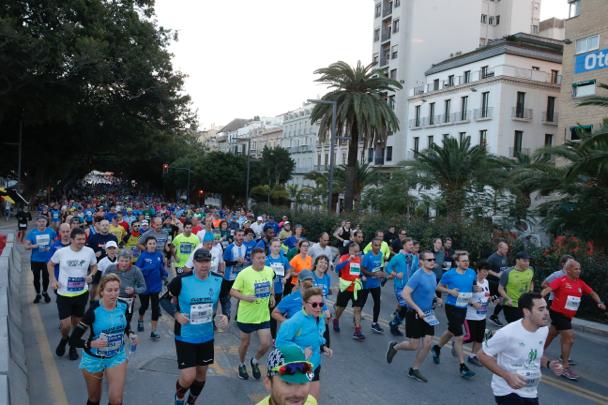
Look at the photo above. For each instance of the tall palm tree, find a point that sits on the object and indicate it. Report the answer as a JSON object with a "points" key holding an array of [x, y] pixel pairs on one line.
{"points": [[362, 111], [365, 175]]}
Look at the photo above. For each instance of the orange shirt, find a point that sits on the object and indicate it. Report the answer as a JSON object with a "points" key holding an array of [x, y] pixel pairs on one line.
{"points": [[298, 264]]}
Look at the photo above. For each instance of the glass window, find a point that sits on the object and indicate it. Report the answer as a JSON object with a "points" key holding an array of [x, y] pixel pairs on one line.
{"points": [[517, 142], [430, 141], [461, 136], [483, 138], [484, 18], [548, 139], [394, 51], [467, 76], [416, 144], [587, 44], [393, 74], [497, 20], [583, 89], [389, 154], [378, 10], [575, 8], [395, 26], [377, 35]]}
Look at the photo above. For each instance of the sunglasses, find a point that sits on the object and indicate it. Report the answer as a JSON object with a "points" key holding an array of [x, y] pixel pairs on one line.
{"points": [[316, 304], [300, 367], [430, 260]]}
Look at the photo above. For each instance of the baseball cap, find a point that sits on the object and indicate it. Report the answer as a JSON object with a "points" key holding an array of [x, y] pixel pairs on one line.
{"points": [[289, 363], [208, 237], [260, 219], [522, 255], [110, 244], [144, 222], [305, 275], [202, 255], [286, 222]]}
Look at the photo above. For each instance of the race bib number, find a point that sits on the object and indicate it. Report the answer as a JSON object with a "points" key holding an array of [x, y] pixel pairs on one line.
{"points": [[43, 242], [129, 302], [463, 299], [278, 269], [185, 248], [376, 269], [572, 303], [483, 310], [430, 318], [355, 269], [531, 377], [22, 226], [262, 290], [201, 313], [76, 284], [114, 342]]}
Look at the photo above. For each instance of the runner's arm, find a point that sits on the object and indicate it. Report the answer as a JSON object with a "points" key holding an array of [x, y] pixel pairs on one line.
{"points": [[84, 324], [140, 283], [173, 290], [341, 265]]}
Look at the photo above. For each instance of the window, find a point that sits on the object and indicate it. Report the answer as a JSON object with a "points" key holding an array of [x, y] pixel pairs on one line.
{"points": [[554, 76], [430, 141], [550, 109], [535, 68], [534, 29], [583, 89], [450, 80], [395, 26], [485, 100], [578, 131], [377, 35], [491, 20], [483, 138], [485, 72], [436, 84], [461, 136], [587, 44], [391, 101], [343, 158], [497, 20], [575, 8], [378, 10], [397, 3], [548, 139], [326, 159], [431, 113], [417, 116], [416, 145], [370, 155], [517, 142], [445, 137], [393, 74], [484, 18], [375, 58], [319, 160], [464, 104], [467, 76], [394, 51], [520, 106], [389, 154], [447, 107]]}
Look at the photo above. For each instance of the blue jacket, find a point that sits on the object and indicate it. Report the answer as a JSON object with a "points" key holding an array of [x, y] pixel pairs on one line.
{"points": [[153, 269], [303, 330]]}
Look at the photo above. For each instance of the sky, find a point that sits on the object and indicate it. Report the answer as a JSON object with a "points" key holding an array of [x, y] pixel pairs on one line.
{"points": [[245, 58]]}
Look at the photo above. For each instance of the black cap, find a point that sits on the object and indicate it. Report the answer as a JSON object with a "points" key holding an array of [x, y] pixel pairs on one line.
{"points": [[522, 255], [202, 255]]}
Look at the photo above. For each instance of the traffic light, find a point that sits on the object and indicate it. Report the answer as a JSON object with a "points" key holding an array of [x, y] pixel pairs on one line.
{"points": [[165, 169], [200, 193]]}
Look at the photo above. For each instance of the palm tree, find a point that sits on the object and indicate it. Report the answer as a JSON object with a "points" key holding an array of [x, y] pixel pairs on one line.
{"points": [[362, 111], [454, 168], [365, 175]]}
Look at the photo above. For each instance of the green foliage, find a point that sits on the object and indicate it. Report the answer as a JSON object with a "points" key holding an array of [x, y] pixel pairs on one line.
{"points": [[392, 195], [276, 165]]}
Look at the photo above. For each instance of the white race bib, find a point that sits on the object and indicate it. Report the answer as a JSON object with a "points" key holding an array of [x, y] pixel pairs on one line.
{"points": [[463, 299], [572, 303], [278, 269], [430, 318], [114, 344], [355, 269], [531, 377], [201, 313], [43, 242], [262, 290]]}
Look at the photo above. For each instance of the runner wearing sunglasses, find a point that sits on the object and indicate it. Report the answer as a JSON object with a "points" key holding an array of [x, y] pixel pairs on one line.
{"points": [[305, 329], [288, 377]]}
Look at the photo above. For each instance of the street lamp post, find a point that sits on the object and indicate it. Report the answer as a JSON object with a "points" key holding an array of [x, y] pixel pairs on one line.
{"points": [[248, 170], [332, 141]]}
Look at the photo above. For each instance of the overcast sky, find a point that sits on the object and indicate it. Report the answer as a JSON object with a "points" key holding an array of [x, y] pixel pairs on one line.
{"points": [[256, 57]]}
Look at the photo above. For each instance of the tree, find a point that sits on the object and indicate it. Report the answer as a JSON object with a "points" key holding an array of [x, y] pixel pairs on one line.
{"points": [[365, 175], [392, 195], [362, 111], [276, 166]]}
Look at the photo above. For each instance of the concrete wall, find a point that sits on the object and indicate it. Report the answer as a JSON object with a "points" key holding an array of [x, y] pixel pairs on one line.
{"points": [[13, 367]]}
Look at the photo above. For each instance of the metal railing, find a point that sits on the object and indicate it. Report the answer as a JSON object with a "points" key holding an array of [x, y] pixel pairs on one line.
{"points": [[483, 114], [386, 34], [387, 8], [513, 152], [521, 114], [550, 118]]}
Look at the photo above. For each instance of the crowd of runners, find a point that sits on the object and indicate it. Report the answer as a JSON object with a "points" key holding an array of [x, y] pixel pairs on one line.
{"points": [[103, 257]]}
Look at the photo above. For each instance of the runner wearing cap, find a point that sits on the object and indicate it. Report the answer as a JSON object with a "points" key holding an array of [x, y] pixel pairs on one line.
{"points": [[254, 288], [567, 291], [288, 377], [111, 248], [258, 227], [197, 295], [513, 283]]}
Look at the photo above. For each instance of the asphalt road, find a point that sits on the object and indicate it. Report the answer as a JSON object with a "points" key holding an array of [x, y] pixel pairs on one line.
{"points": [[358, 373]]}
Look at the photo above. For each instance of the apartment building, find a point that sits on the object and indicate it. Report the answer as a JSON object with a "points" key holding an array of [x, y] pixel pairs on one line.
{"points": [[585, 66], [503, 96], [411, 35]]}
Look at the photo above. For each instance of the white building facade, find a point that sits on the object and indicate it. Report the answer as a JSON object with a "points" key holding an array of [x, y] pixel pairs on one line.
{"points": [[502, 96], [410, 35]]}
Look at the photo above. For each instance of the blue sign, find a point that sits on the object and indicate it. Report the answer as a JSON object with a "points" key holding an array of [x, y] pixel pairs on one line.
{"points": [[591, 61]]}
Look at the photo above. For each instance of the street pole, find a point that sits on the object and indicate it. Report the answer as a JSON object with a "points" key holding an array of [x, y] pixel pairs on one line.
{"points": [[19, 156], [188, 188], [332, 141], [248, 168]]}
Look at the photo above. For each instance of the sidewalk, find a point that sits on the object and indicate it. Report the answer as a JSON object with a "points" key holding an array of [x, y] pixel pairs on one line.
{"points": [[596, 328]]}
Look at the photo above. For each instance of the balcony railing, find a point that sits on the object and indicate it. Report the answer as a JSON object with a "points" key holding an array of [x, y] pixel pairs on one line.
{"points": [[484, 114], [463, 116], [387, 8], [513, 152], [521, 114], [415, 123], [386, 34], [384, 59], [550, 118]]}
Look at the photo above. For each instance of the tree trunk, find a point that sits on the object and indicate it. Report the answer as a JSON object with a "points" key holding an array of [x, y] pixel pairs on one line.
{"points": [[353, 151]]}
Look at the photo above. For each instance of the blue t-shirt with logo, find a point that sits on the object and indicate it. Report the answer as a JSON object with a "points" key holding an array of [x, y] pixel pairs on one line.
{"points": [[44, 239], [279, 265], [423, 287], [323, 282], [55, 215], [464, 282], [372, 263]]}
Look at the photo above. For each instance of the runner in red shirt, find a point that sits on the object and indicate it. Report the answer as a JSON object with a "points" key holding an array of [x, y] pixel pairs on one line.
{"points": [[568, 291], [349, 270]]}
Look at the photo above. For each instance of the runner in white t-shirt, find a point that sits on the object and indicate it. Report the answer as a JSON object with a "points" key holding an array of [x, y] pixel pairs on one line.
{"points": [[514, 353], [475, 322]]}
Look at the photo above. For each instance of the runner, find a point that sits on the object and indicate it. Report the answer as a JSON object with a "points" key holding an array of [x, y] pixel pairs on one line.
{"points": [[23, 217], [475, 322], [197, 295], [151, 263], [74, 261], [323, 281], [513, 283], [458, 284], [39, 241], [567, 291], [111, 249], [301, 261], [384, 247], [514, 353], [419, 293], [104, 350], [292, 303], [499, 263], [267, 235], [397, 243], [253, 287], [235, 259], [132, 281], [185, 244], [372, 269], [306, 329], [97, 242], [63, 241], [288, 377], [357, 237], [322, 248], [349, 271], [280, 266], [400, 268], [162, 237]]}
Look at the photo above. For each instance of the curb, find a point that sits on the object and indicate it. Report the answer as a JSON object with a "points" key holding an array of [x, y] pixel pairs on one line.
{"points": [[595, 328]]}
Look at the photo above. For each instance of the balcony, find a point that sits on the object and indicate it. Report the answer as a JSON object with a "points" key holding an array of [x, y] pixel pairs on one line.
{"points": [[387, 8], [521, 114], [513, 152], [462, 116], [386, 34], [550, 118], [384, 59], [415, 123], [431, 121], [482, 114]]}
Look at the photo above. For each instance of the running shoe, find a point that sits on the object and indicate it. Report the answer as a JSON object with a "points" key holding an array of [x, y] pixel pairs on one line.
{"points": [[60, 350], [255, 369], [391, 352], [465, 372], [556, 367], [395, 331], [154, 336], [140, 326], [416, 375], [377, 329], [436, 353], [570, 374], [358, 336], [336, 324], [243, 372], [474, 361], [570, 361], [180, 401], [47, 299], [496, 321], [37, 299], [73, 353]]}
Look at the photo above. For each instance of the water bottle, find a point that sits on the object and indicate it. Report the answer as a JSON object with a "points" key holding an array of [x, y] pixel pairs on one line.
{"points": [[133, 346]]}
